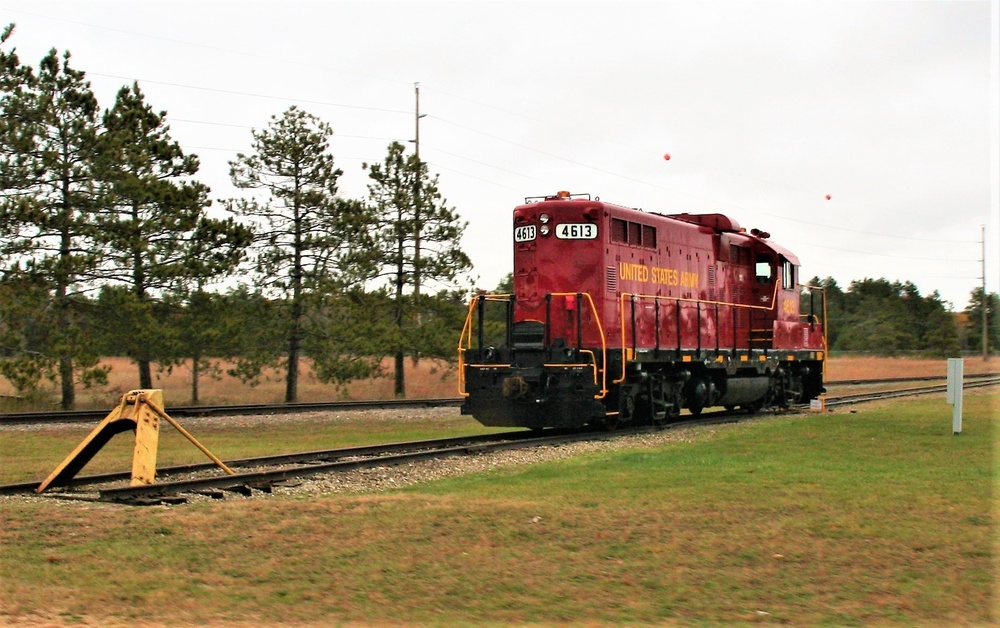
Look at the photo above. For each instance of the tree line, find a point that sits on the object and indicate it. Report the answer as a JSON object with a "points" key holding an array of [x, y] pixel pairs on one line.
{"points": [[108, 245], [889, 318]]}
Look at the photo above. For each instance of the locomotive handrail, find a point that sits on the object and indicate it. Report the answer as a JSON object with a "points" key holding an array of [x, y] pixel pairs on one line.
{"points": [[657, 298], [593, 364], [604, 342], [826, 346], [467, 335], [465, 340]]}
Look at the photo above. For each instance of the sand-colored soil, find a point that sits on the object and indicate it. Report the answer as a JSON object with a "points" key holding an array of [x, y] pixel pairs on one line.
{"points": [[426, 379], [853, 367]]}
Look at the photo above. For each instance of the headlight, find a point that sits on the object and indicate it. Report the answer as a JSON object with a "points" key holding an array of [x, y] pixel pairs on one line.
{"points": [[543, 218], [544, 229]]}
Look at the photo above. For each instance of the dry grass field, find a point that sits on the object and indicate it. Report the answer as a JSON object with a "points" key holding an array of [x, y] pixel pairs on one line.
{"points": [[873, 367], [424, 380]]}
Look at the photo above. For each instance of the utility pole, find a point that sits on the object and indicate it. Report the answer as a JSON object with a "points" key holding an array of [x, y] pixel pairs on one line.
{"points": [[416, 200], [986, 301]]}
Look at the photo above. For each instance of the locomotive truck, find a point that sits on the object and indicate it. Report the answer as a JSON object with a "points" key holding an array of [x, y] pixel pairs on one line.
{"points": [[619, 315]]}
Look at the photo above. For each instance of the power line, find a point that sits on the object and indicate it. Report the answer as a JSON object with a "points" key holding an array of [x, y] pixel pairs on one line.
{"points": [[871, 233], [242, 150], [628, 178], [541, 152], [483, 163], [486, 105], [252, 55], [471, 176], [246, 126], [252, 95], [926, 259]]}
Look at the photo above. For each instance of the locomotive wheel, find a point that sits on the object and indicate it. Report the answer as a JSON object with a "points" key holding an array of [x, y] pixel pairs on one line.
{"points": [[794, 390], [609, 422], [658, 409], [674, 411], [665, 402], [699, 394]]}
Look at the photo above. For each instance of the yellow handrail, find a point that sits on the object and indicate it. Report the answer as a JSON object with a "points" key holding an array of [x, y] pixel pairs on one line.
{"points": [[657, 297], [826, 327], [465, 340], [604, 345]]}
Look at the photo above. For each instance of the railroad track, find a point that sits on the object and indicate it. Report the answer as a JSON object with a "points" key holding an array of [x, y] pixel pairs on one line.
{"points": [[903, 380], [843, 400], [84, 416], [264, 473], [260, 472]]}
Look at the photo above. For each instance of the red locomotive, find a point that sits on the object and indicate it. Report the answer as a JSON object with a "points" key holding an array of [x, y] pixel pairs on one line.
{"points": [[619, 315]]}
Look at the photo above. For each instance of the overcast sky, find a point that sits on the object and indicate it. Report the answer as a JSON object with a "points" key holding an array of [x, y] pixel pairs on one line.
{"points": [[891, 108]]}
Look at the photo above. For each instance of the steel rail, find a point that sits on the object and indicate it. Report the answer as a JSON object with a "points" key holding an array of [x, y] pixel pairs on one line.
{"points": [[261, 479], [903, 380], [907, 392], [81, 416]]}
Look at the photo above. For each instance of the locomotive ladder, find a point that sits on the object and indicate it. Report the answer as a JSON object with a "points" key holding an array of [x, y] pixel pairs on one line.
{"points": [[761, 331]]}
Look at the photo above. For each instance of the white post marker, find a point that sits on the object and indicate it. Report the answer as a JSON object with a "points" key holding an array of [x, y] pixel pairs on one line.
{"points": [[956, 373]]}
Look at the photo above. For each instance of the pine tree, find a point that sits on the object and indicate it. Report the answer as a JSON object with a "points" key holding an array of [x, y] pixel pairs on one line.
{"points": [[418, 243], [308, 238], [48, 144], [975, 312], [153, 222], [23, 333]]}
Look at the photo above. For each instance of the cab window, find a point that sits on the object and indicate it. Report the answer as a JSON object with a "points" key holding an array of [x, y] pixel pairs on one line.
{"points": [[787, 275], [764, 268]]}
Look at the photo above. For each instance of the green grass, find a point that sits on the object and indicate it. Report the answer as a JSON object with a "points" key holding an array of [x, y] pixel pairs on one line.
{"points": [[880, 517]]}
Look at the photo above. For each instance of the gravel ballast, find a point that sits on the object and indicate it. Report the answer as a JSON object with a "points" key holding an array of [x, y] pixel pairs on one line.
{"points": [[389, 477]]}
